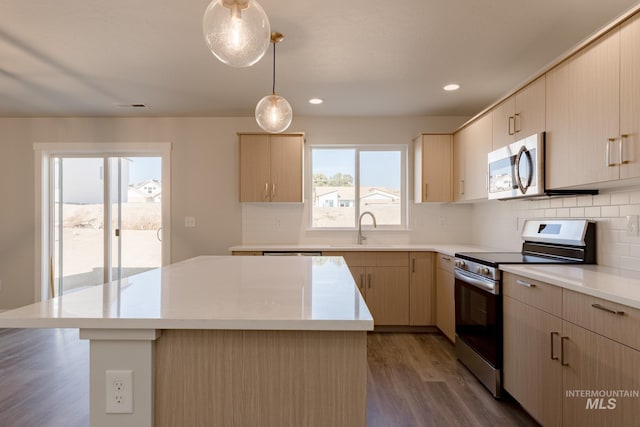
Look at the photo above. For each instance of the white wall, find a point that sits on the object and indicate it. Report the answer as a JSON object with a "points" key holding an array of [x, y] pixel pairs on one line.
{"points": [[204, 183]]}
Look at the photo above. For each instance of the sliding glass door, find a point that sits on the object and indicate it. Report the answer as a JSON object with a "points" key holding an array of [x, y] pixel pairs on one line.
{"points": [[105, 219]]}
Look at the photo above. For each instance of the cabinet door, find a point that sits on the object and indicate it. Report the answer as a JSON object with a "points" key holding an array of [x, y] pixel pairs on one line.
{"points": [[529, 116], [503, 123], [532, 371], [286, 168], [460, 144], [433, 168], [388, 295], [421, 290], [583, 112], [445, 303], [478, 146], [255, 172], [630, 97], [598, 364]]}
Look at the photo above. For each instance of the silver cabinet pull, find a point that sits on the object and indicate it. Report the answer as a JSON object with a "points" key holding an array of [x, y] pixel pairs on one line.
{"points": [[552, 352], [608, 310], [413, 265], [512, 124], [562, 361], [361, 280], [444, 258], [266, 190], [525, 284], [461, 186], [426, 191], [273, 190], [369, 280], [516, 123], [623, 140]]}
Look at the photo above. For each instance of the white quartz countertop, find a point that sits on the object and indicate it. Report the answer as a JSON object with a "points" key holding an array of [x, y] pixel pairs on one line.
{"points": [[213, 292], [447, 249], [615, 285]]}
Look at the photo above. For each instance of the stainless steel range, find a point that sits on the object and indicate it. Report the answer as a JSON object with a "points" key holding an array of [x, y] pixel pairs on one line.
{"points": [[478, 290]]}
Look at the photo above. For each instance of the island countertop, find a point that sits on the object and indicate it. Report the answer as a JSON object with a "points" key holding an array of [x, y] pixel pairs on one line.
{"points": [[213, 292]]}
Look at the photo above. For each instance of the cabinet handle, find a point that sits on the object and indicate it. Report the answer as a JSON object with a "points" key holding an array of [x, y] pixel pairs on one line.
{"points": [[526, 284], [266, 190], [623, 139], [608, 310], [413, 265], [461, 186], [512, 124], [552, 352], [369, 280], [562, 340], [361, 280], [273, 190], [426, 191], [444, 258], [516, 123], [608, 153]]}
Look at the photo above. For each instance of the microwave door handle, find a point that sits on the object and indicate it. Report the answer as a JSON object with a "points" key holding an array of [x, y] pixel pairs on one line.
{"points": [[523, 186]]}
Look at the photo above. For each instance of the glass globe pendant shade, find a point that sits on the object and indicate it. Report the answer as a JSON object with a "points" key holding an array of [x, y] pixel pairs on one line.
{"points": [[274, 113], [237, 31]]}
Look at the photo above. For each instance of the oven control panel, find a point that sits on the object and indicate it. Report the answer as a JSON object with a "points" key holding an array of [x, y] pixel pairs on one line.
{"points": [[480, 269]]}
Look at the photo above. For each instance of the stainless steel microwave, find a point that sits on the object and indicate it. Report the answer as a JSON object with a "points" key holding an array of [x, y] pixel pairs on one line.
{"points": [[517, 170]]}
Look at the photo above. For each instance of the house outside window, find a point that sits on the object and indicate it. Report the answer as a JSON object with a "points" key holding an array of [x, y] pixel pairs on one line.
{"points": [[349, 180]]}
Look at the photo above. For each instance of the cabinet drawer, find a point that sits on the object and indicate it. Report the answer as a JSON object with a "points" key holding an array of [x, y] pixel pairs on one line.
{"points": [[391, 259], [615, 321], [533, 292], [445, 262]]}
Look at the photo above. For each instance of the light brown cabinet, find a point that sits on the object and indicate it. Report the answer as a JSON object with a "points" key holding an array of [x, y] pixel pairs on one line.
{"points": [[422, 290], [593, 112], [271, 167], [520, 115], [432, 168], [445, 296], [471, 145], [560, 345], [383, 280]]}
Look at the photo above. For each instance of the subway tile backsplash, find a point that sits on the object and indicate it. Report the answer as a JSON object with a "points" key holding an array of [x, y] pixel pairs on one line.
{"points": [[616, 246]]}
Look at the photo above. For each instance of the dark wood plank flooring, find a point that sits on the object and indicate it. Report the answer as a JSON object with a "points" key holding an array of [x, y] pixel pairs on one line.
{"points": [[414, 381]]}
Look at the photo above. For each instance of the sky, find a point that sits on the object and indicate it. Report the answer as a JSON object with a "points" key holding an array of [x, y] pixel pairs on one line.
{"points": [[143, 168], [377, 168]]}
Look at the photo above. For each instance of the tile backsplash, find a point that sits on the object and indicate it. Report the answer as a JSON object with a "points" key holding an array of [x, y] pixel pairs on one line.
{"points": [[492, 224], [499, 224]]}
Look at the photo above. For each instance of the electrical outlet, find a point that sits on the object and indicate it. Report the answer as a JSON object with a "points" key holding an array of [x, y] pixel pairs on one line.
{"points": [[632, 225], [119, 392], [189, 221]]}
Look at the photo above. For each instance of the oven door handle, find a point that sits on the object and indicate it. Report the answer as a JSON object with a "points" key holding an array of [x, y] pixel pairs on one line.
{"points": [[478, 283]]}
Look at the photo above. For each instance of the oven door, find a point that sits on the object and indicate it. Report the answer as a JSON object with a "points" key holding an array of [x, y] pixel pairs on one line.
{"points": [[478, 312]]}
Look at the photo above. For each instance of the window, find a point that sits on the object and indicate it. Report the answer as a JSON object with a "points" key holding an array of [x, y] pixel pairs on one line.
{"points": [[347, 181]]}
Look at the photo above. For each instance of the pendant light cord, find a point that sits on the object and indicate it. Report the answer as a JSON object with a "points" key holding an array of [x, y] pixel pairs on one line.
{"points": [[273, 88]]}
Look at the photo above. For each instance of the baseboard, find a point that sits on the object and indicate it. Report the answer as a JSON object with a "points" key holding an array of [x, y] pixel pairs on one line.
{"points": [[410, 329]]}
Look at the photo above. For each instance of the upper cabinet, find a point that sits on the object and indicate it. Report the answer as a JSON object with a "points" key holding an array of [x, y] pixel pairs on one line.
{"points": [[630, 98], [471, 145], [432, 170], [520, 115], [593, 112], [271, 167]]}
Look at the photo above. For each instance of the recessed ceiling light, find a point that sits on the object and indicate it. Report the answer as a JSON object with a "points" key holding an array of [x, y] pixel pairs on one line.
{"points": [[316, 101], [451, 87]]}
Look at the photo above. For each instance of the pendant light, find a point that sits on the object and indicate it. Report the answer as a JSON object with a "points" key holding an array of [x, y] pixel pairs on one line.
{"points": [[236, 31], [273, 112]]}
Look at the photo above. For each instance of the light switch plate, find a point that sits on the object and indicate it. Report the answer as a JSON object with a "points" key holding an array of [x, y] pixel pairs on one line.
{"points": [[190, 221]]}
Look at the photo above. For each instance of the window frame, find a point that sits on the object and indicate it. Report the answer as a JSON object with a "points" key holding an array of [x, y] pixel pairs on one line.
{"points": [[358, 148]]}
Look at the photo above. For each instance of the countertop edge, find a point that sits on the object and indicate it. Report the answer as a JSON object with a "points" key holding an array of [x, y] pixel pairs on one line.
{"points": [[537, 273]]}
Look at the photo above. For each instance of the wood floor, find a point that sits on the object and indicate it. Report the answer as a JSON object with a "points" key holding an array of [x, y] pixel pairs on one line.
{"points": [[414, 381]]}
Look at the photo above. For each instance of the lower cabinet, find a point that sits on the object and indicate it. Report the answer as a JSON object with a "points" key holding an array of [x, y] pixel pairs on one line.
{"points": [[397, 286], [445, 297], [558, 364]]}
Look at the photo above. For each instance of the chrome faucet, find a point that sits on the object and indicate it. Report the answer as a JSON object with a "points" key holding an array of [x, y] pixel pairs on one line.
{"points": [[360, 236]]}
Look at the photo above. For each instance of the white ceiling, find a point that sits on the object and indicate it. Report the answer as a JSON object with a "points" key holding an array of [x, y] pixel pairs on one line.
{"points": [[363, 57]]}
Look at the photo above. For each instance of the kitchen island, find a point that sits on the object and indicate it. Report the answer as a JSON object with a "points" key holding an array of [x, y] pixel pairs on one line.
{"points": [[223, 341]]}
